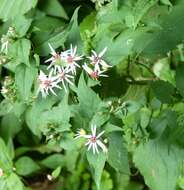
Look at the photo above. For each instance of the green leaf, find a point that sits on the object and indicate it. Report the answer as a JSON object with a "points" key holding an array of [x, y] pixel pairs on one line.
{"points": [[10, 126], [74, 36], [89, 101], [5, 107], [21, 25], [163, 91], [35, 110], [56, 172], [169, 34], [26, 166], [145, 115], [117, 153], [54, 161], [24, 78], [159, 163], [166, 2], [58, 115], [13, 182], [5, 160], [97, 163], [10, 9], [56, 40], [180, 79], [53, 8], [20, 51], [163, 71]]}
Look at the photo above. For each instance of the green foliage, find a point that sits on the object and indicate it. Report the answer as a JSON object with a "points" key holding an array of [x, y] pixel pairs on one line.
{"points": [[138, 108]]}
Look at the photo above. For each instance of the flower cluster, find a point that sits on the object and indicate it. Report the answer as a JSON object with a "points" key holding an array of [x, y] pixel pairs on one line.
{"points": [[7, 39], [93, 140], [63, 67]]}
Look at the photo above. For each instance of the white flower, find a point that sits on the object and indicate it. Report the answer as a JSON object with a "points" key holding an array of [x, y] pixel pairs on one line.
{"points": [[81, 133], [55, 59], [93, 141], [5, 42], [47, 83], [71, 59], [96, 60], [1, 172], [94, 74], [64, 76]]}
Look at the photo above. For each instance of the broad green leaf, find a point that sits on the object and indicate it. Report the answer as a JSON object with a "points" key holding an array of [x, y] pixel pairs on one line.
{"points": [[20, 51], [10, 126], [89, 101], [58, 115], [166, 2], [26, 166], [96, 162], [159, 163], [163, 91], [32, 113], [74, 36], [13, 182], [53, 8], [5, 107], [10, 9], [145, 115], [54, 161], [166, 36], [56, 40], [140, 9], [21, 25], [117, 153], [24, 78], [163, 71], [180, 79], [5, 160]]}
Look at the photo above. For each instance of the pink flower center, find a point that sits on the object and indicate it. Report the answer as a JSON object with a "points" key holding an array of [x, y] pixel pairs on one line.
{"points": [[96, 59], [62, 75], [46, 83], [93, 139], [56, 56], [70, 59], [94, 75]]}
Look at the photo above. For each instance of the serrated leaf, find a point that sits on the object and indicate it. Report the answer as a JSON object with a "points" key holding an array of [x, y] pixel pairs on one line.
{"points": [[53, 8], [32, 113], [96, 162], [10, 9], [20, 51], [24, 78], [163, 91], [117, 153], [159, 163], [89, 101]]}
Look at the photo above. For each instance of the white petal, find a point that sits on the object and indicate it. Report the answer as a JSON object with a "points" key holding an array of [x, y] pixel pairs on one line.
{"points": [[103, 147], [95, 54], [102, 52], [100, 134], [53, 52], [96, 148], [93, 130], [69, 81], [89, 146], [93, 146]]}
